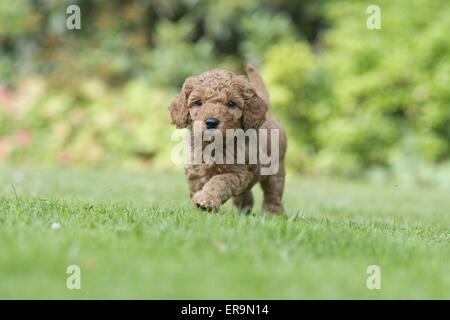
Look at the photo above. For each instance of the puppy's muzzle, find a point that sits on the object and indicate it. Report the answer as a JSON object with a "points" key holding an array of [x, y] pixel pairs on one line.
{"points": [[212, 123]]}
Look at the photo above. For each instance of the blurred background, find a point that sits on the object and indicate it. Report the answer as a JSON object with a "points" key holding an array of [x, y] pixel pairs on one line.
{"points": [[356, 103]]}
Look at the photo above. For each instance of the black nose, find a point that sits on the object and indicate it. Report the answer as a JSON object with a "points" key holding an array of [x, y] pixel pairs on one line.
{"points": [[212, 123]]}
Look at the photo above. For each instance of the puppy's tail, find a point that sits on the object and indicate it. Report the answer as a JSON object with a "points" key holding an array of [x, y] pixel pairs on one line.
{"points": [[258, 83]]}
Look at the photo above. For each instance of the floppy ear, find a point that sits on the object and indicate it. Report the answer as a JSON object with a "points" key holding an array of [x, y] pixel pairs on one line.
{"points": [[254, 112], [178, 108]]}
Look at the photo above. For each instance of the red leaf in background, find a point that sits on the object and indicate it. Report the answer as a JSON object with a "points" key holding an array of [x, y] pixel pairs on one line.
{"points": [[7, 98], [22, 137], [5, 148], [64, 157]]}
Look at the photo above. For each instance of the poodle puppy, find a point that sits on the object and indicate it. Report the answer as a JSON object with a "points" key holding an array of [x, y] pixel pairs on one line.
{"points": [[219, 99]]}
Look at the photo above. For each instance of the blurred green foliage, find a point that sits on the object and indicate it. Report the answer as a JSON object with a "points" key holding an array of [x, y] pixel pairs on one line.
{"points": [[353, 100]]}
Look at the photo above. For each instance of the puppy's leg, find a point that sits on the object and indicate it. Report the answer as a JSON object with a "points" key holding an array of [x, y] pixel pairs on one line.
{"points": [[244, 202], [273, 188], [219, 189]]}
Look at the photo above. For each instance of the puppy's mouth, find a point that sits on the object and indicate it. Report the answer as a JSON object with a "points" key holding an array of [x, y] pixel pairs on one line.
{"points": [[214, 132]]}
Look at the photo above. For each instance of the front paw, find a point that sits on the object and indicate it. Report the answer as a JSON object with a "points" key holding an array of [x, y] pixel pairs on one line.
{"points": [[206, 201], [276, 208]]}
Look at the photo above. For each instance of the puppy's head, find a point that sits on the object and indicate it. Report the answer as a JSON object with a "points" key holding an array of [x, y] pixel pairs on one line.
{"points": [[218, 99]]}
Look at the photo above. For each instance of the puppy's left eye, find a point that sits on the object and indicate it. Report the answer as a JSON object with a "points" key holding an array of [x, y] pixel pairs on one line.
{"points": [[231, 104]]}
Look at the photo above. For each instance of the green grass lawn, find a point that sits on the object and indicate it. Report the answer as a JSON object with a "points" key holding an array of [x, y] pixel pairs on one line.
{"points": [[134, 234]]}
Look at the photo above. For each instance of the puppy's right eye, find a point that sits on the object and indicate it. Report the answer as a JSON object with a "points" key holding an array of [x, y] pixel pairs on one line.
{"points": [[231, 104], [198, 103]]}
